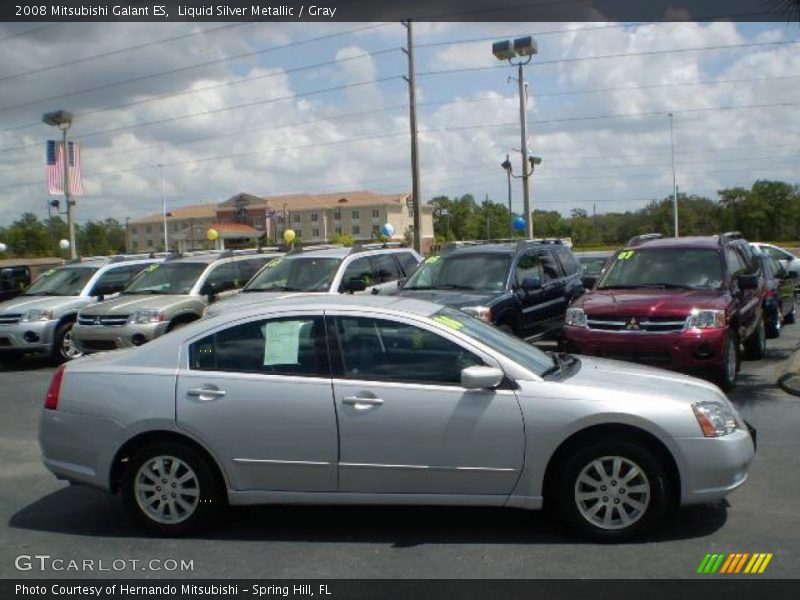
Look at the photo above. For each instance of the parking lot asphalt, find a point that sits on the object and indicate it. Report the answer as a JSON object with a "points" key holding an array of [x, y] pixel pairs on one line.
{"points": [[42, 516]]}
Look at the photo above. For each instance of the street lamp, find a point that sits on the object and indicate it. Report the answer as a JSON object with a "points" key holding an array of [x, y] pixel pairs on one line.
{"points": [[674, 180], [63, 119], [509, 169], [164, 208], [524, 49]]}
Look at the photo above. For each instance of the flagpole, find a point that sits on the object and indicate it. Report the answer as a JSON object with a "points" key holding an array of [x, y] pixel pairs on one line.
{"points": [[73, 254]]}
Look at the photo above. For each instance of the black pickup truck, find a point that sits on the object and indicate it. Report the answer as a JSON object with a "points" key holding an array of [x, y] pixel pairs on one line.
{"points": [[522, 287]]}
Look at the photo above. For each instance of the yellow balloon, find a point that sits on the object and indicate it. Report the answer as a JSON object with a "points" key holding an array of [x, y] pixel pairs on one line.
{"points": [[289, 235], [212, 235]]}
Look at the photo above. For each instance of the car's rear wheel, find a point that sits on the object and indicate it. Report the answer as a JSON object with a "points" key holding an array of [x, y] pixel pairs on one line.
{"points": [[774, 321], [64, 347], [755, 346], [792, 316], [612, 491], [170, 489], [729, 369]]}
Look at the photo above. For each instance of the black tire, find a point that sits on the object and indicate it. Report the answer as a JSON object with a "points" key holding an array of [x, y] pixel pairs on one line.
{"points": [[726, 376], [755, 347], [11, 358], [205, 486], [773, 324], [652, 477], [60, 352], [792, 316]]}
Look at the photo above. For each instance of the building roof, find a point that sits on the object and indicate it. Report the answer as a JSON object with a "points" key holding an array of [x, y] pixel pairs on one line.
{"points": [[304, 201], [235, 230], [192, 211]]}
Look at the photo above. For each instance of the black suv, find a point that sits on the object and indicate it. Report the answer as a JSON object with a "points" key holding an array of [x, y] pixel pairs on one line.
{"points": [[522, 287]]}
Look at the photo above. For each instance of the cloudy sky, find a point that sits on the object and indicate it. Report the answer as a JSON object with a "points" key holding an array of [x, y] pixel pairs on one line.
{"points": [[271, 108]]}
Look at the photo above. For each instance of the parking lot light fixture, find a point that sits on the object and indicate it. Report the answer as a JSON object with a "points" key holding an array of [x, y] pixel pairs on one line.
{"points": [[63, 120]]}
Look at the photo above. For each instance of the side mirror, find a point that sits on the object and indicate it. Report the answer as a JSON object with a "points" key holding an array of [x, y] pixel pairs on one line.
{"points": [[101, 291], [792, 275], [401, 282], [210, 289], [588, 282], [748, 282], [353, 285], [530, 284], [481, 378]]}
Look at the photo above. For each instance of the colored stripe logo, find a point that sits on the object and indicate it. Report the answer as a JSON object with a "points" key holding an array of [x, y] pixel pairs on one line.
{"points": [[734, 563]]}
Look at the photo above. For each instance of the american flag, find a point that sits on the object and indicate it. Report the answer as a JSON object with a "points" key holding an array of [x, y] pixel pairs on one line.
{"points": [[55, 168]]}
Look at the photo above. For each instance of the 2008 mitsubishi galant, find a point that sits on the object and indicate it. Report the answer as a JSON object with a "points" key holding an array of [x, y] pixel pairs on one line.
{"points": [[386, 400]]}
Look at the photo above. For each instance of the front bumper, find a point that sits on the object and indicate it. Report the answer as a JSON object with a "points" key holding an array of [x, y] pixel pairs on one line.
{"points": [[716, 466], [692, 350], [30, 336], [97, 338]]}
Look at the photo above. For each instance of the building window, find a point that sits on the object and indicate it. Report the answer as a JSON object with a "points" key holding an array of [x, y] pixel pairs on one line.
{"points": [[338, 229], [315, 233], [356, 216], [149, 243], [184, 225], [298, 232], [376, 213], [314, 217], [135, 244], [296, 218], [337, 215], [149, 229], [356, 230], [133, 230], [376, 230]]}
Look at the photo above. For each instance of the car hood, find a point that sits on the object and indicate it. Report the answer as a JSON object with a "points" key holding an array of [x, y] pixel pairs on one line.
{"points": [[453, 298], [57, 304], [644, 302], [614, 377], [124, 305]]}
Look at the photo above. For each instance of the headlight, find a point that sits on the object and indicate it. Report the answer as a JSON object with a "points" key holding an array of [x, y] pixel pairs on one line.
{"points": [[575, 317], [141, 317], [715, 418], [705, 319], [484, 313], [38, 315]]}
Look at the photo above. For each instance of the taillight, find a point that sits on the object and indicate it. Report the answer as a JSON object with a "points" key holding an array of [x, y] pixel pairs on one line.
{"points": [[51, 399]]}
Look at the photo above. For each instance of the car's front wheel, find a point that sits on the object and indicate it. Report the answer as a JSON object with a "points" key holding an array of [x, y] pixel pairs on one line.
{"points": [[612, 491], [755, 346], [171, 489], [64, 347], [792, 316]]}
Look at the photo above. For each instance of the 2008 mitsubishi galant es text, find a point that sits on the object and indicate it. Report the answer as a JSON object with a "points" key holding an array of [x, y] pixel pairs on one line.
{"points": [[386, 400]]}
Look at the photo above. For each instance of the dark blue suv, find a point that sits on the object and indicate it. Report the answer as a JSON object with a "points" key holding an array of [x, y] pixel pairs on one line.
{"points": [[522, 287]]}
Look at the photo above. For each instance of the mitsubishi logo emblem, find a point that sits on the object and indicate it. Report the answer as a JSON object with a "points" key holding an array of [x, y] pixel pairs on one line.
{"points": [[97, 320], [633, 324]]}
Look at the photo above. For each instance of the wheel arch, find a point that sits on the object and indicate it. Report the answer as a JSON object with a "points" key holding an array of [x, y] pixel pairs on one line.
{"points": [[613, 432], [182, 319]]}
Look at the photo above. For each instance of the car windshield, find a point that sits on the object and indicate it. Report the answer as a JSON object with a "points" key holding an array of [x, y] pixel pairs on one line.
{"points": [[592, 266], [471, 271], [514, 348], [297, 274], [664, 268], [167, 278], [64, 281]]}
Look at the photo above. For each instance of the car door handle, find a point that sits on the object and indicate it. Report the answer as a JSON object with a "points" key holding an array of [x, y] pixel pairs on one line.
{"points": [[361, 402], [205, 394]]}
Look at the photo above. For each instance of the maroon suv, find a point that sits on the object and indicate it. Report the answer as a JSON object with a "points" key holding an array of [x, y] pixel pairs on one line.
{"points": [[686, 304]]}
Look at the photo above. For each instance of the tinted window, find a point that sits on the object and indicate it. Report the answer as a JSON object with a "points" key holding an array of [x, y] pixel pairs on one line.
{"points": [[359, 269], [469, 271], [167, 278], [114, 280], [249, 267], [776, 254], [66, 281], [386, 268], [407, 261], [224, 276], [290, 346], [673, 268], [382, 350], [528, 265], [550, 269], [592, 266], [296, 274], [568, 262], [733, 262]]}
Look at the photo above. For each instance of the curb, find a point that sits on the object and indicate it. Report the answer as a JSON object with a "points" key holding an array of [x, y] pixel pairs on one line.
{"points": [[789, 374]]}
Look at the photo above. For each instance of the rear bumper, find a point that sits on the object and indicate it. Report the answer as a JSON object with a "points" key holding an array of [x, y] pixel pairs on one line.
{"points": [[33, 336], [691, 350], [97, 338], [717, 466]]}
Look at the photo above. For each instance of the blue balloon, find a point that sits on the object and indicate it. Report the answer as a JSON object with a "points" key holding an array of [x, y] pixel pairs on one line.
{"points": [[387, 229], [519, 224]]}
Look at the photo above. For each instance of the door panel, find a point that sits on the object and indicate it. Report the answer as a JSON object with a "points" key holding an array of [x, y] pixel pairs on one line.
{"points": [[259, 395], [416, 437]]}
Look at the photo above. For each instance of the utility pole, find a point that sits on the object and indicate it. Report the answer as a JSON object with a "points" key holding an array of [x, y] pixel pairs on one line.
{"points": [[488, 228], [412, 112], [164, 209], [526, 199], [674, 180], [127, 236]]}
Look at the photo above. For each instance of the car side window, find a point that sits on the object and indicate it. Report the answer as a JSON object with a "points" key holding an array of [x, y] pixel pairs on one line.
{"points": [[407, 261], [287, 346], [384, 350], [249, 267], [549, 267], [568, 261], [749, 259], [775, 253], [528, 265], [224, 276], [386, 268], [360, 268], [116, 279], [733, 262]]}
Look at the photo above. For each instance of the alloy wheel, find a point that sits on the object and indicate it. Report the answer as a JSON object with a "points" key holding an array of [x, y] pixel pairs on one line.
{"points": [[612, 492], [167, 489], [730, 360], [68, 348]]}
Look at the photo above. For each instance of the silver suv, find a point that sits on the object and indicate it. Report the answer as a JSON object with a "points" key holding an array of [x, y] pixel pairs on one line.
{"points": [[371, 268], [165, 296], [40, 321]]}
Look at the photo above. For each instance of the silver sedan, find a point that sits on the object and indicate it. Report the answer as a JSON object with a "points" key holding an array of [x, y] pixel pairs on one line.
{"points": [[385, 400]]}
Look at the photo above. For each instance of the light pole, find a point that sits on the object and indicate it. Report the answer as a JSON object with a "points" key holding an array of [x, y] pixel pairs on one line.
{"points": [[524, 48], [164, 208], [127, 236], [63, 119], [674, 180], [506, 164]]}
